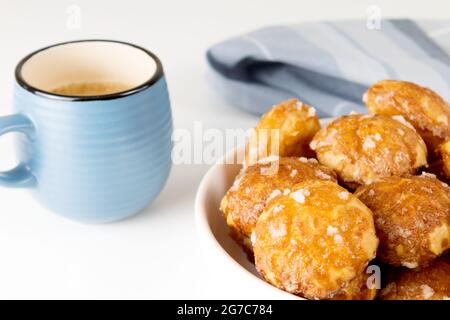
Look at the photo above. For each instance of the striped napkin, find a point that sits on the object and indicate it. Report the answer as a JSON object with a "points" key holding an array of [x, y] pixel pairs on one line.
{"points": [[329, 65]]}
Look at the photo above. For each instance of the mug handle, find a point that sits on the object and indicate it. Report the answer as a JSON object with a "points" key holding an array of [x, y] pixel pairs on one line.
{"points": [[20, 176]]}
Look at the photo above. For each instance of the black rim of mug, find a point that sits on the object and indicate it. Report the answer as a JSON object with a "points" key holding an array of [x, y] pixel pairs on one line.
{"points": [[152, 80]]}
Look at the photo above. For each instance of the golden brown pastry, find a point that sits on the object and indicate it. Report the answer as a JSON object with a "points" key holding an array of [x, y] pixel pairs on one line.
{"points": [[256, 185], [444, 151], [315, 241], [360, 288], [412, 218], [364, 148], [423, 108], [285, 131], [437, 168], [431, 283]]}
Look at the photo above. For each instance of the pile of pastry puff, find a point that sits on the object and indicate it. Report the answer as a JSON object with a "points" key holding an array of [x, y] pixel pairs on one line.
{"points": [[329, 203]]}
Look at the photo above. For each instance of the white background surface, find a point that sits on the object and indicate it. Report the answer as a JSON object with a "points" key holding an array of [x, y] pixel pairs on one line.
{"points": [[155, 254]]}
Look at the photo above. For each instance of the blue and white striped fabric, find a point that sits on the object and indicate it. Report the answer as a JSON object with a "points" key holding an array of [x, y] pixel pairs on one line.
{"points": [[329, 65]]}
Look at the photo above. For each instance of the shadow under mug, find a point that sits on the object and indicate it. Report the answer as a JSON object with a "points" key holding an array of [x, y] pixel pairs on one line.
{"points": [[93, 159]]}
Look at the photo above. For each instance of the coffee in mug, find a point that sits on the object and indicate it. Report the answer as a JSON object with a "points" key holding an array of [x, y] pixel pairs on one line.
{"points": [[91, 88]]}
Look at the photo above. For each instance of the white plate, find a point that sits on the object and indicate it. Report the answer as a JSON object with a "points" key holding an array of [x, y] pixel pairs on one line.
{"points": [[224, 253]]}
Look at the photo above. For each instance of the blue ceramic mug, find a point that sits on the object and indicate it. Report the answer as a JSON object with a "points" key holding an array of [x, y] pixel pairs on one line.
{"points": [[95, 155]]}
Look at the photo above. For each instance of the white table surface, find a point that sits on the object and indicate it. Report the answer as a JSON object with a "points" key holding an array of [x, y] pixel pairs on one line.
{"points": [[155, 254]]}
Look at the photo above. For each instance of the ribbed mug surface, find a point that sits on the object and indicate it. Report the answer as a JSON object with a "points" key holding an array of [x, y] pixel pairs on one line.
{"points": [[101, 160]]}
